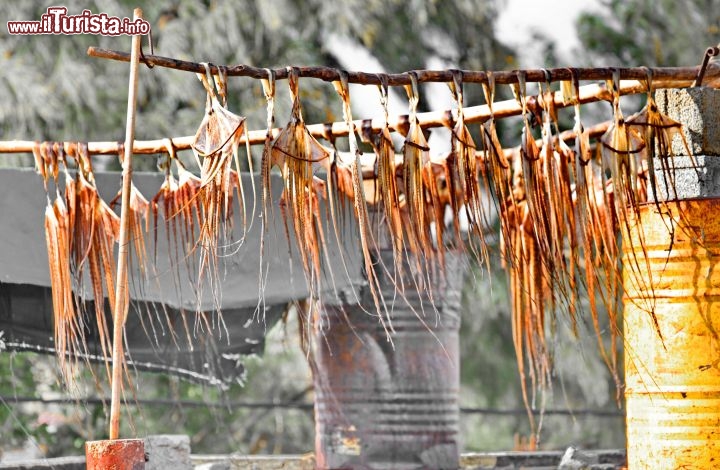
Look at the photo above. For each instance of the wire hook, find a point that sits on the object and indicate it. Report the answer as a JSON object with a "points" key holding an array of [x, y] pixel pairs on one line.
{"points": [[384, 88], [294, 85], [710, 52], [268, 85], [220, 80], [489, 91], [412, 92]]}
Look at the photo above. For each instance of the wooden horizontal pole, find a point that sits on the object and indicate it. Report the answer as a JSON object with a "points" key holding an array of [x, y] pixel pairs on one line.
{"points": [[329, 74], [148, 147], [152, 147], [143, 147]]}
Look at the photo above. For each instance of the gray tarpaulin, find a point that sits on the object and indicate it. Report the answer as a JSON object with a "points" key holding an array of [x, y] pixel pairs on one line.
{"points": [[162, 319]]}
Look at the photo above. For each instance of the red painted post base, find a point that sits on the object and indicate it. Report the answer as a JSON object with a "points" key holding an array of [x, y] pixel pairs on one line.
{"points": [[115, 454]]}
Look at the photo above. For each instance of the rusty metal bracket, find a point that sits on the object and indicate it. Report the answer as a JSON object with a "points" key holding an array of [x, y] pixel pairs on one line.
{"points": [[710, 52]]}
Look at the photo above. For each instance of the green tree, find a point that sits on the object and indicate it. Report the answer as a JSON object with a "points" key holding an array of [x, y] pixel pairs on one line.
{"points": [[650, 32], [51, 90]]}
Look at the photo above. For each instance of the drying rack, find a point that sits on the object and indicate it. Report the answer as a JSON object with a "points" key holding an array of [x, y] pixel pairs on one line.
{"points": [[634, 80]]}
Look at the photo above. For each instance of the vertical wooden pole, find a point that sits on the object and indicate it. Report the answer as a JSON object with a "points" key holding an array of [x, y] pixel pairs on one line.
{"points": [[120, 308]]}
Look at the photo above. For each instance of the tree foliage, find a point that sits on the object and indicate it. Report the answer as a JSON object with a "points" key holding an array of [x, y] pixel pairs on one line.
{"points": [[650, 32], [52, 90]]}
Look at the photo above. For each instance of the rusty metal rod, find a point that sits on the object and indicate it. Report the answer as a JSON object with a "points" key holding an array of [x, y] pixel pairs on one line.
{"points": [[122, 298], [329, 74], [92, 400]]}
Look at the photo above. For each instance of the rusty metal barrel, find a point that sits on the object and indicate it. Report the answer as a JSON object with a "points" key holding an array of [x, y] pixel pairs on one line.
{"points": [[673, 379], [385, 405]]}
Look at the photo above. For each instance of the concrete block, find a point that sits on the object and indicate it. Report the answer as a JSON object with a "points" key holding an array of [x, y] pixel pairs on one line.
{"points": [[254, 462], [58, 463], [698, 109], [574, 459], [223, 465], [692, 180], [549, 459], [168, 451]]}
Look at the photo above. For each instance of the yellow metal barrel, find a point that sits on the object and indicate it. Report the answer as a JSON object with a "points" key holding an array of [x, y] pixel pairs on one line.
{"points": [[672, 381]]}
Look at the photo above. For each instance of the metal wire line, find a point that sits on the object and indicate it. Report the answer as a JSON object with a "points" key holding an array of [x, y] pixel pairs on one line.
{"points": [[293, 405]]}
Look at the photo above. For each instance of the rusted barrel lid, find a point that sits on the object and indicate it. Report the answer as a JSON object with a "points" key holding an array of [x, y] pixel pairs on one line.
{"points": [[116, 454]]}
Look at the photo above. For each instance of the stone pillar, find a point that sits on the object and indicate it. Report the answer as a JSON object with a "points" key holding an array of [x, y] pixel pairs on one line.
{"points": [[168, 451], [391, 406], [672, 389]]}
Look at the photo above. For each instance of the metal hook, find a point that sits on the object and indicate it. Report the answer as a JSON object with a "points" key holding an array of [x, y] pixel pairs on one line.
{"points": [[412, 92], [293, 81], [166, 164], [59, 149], [207, 79], [170, 146], [384, 88], [710, 52], [341, 86], [575, 79], [268, 85], [616, 81], [384, 85], [570, 88], [143, 59], [62, 157], [40, 165], [121, 152], [414, 83], [220, 80], [546, 96], [457, 87], [44, 164], [344, 81], [489, 91], [294, 85], [648, 78], [548, 77], [82, 157], [46, 151], [519, 90], [575, 84], [491, 86]]}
